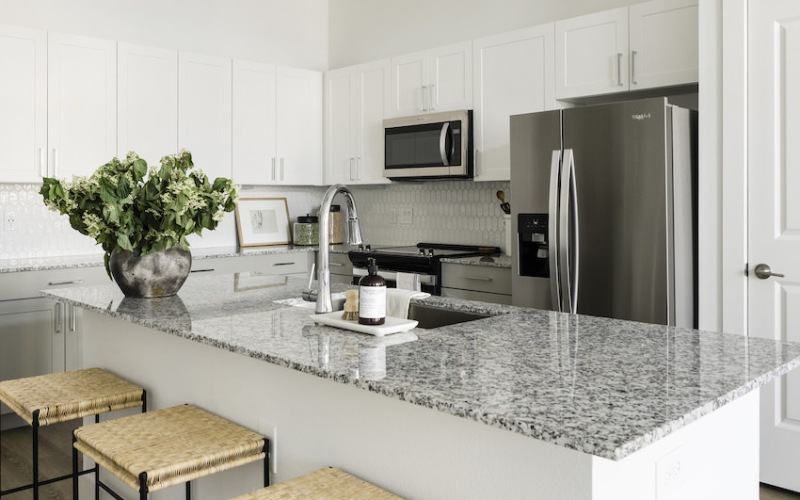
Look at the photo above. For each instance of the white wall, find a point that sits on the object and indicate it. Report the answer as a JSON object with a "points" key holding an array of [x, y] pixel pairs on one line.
{"points": [[365, 30], [289, 33]]}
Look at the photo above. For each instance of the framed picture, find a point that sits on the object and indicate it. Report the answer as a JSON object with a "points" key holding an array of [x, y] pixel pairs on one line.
{"points": [[262, 221]]}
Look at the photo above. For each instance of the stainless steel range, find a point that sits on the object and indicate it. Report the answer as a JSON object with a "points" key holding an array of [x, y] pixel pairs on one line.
{"points": [[416, 266]]}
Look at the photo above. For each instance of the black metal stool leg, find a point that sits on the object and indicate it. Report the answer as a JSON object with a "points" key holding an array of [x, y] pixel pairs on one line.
{"points": [[35, 440], [143, 486], [188, 490], [74, 469], [266, 462]]}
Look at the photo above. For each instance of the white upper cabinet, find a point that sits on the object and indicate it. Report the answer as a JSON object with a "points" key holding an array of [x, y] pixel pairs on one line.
{"points": [[204, 112], [663, 43], [148, 102], [23, 104], [513, 75], [277, 125], [646, 45], [432, 80], [592, 54], [82, 104], [299, 126], [356, 100], [254, 123]]}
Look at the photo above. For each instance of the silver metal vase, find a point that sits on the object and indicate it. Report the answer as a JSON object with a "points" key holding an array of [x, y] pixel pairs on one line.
{"points": [[158, 274]]}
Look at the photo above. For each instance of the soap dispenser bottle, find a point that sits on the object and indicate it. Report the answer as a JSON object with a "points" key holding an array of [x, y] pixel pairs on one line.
{"points": [[372, 297]]}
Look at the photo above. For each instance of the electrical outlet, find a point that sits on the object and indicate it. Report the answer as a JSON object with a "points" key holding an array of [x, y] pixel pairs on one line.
{"points": [[392, 215], [271, 431], [670, 475], [9, 221], [406, 215]]}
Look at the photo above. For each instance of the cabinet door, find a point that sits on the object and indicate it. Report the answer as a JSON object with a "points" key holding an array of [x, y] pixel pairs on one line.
{"points": [[204, 112], [513, 75], [592, 54], [299, 126], [410, 84], [450, 81], [373, 99], [23, 104], [148, 102], [254, 118], [663, 43], [82, 104], [340, 128]]}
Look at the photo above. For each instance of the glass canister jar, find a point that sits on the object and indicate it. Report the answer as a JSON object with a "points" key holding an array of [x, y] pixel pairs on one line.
{"points": [[306, 230], [336, 225]]}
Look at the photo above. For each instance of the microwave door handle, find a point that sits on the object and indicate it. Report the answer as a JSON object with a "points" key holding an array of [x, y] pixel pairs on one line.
{"points": [[552, 224], [443, 144]]}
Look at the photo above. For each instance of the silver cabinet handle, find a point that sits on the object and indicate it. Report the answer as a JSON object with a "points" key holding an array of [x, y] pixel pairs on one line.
{"points": [[283, 264], [73, 318], [619, 69], [424, 97], [60, 283], [57, 317], [202, 270], [763, 271], [633, 68], [431, 91], [336, 264], [352, 175], [273, 168], [478, 278]]}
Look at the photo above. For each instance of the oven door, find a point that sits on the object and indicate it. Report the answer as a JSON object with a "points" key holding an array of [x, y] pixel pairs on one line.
{"points": [[427, 282]]}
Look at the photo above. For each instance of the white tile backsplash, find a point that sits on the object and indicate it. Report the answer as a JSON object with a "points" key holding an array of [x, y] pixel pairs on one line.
{"points": [[463, 212]]}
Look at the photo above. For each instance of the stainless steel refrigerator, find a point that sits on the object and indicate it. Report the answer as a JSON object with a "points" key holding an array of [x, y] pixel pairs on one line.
{"points": [[604, 211]]}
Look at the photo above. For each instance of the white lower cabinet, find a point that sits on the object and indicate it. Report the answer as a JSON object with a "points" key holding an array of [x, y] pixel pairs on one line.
{"points": [[513, 74], [289, 264], [487, 284]]}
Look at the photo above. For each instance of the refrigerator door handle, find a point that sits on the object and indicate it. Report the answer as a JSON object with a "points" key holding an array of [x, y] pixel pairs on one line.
{"points": [[553, 227], [567, 241]]}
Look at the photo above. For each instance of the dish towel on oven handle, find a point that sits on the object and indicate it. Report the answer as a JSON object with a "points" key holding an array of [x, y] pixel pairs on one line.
{"points": [[408, 281], [397, 301]]}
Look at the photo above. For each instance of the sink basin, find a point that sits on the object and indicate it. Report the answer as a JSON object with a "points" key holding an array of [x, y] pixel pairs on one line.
{"points": [[435, 317]]}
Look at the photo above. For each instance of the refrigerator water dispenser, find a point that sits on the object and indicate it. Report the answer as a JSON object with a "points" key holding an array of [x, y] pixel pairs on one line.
{"points": [[533, 245]]}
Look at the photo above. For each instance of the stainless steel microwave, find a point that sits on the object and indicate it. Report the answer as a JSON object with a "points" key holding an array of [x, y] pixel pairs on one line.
{"points": [[429, 146]]}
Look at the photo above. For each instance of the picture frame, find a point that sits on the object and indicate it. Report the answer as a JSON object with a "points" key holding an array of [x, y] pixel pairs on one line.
{"points": [[262, 222]]}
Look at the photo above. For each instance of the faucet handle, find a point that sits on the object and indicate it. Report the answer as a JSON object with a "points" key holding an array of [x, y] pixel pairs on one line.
{"points": [[309, 294], [311, 274]]}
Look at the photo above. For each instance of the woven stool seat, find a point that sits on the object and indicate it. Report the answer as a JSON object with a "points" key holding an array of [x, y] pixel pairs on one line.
{"points": [[324, 484], [165, 447], [64, 396]]}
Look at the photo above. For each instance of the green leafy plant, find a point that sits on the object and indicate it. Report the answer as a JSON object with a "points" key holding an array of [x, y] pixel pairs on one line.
{"points": [[126, 205]]}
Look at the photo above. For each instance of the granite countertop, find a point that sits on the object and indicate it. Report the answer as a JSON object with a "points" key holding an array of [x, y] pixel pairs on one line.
{"points": [[600, 386], [96, 260]]}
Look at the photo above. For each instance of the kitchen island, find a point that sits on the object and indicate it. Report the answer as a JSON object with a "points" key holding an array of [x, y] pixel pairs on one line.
{"points": [[522, 404]]}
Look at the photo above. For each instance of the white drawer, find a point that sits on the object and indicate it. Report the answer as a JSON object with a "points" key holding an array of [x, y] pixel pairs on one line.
{"points": [[477, 278], [278, 263], [495, 298], [27, 284]]}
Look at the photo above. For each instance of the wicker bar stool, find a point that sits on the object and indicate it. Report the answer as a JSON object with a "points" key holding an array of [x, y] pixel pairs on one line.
{"points": [[60, 397], [161, 448], [324, 484]]}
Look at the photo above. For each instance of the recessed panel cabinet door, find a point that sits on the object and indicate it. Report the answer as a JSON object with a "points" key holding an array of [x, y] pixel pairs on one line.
{"points": [[204, 112], [148, 102], [450, 81], [82, 104], [513, 75], [410, 84], [373, 96], [23, 104], [299, 128], [340, 126], [254, 121]]}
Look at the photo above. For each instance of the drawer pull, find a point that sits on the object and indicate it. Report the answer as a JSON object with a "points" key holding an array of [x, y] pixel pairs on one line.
{"points": [[336, 264], [57, 317], [202, 270], [283, 264], [478, 278], [70, 282]]}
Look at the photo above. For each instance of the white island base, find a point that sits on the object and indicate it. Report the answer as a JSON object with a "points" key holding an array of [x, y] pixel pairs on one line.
{"points": [[410, 450]]}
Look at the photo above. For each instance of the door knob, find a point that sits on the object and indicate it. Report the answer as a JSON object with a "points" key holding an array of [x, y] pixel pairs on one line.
{"points": [[763, 271]]}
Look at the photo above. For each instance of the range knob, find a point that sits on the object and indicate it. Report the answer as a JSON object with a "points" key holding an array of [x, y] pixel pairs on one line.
{"points": [[430, 252], [421, 252]]}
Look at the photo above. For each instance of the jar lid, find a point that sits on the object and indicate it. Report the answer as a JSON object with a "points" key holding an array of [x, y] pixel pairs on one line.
{"points": [[336, 208], [308, 219]]}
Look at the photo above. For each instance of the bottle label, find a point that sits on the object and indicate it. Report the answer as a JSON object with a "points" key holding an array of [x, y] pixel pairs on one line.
{"points": [[372, 302]]}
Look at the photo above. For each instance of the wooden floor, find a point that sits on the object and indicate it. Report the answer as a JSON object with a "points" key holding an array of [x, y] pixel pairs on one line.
{"points": [[55, 458]]}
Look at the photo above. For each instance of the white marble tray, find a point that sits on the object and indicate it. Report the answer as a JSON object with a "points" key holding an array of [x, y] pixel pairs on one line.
{"points": [[392, 325]]}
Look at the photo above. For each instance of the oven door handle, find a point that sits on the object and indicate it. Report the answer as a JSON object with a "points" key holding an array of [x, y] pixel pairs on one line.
{"points": [[424, 279]]}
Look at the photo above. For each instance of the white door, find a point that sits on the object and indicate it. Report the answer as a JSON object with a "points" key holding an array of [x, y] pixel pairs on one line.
{"points": [[204, 112], [148, 101], [663, 43], [340, 129], [23, 104], [410, 84], [254, 109], [513, 75], [82, 104], [373, 103], [299, 126], [592, 54], [450, 77], [774, 219]]}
